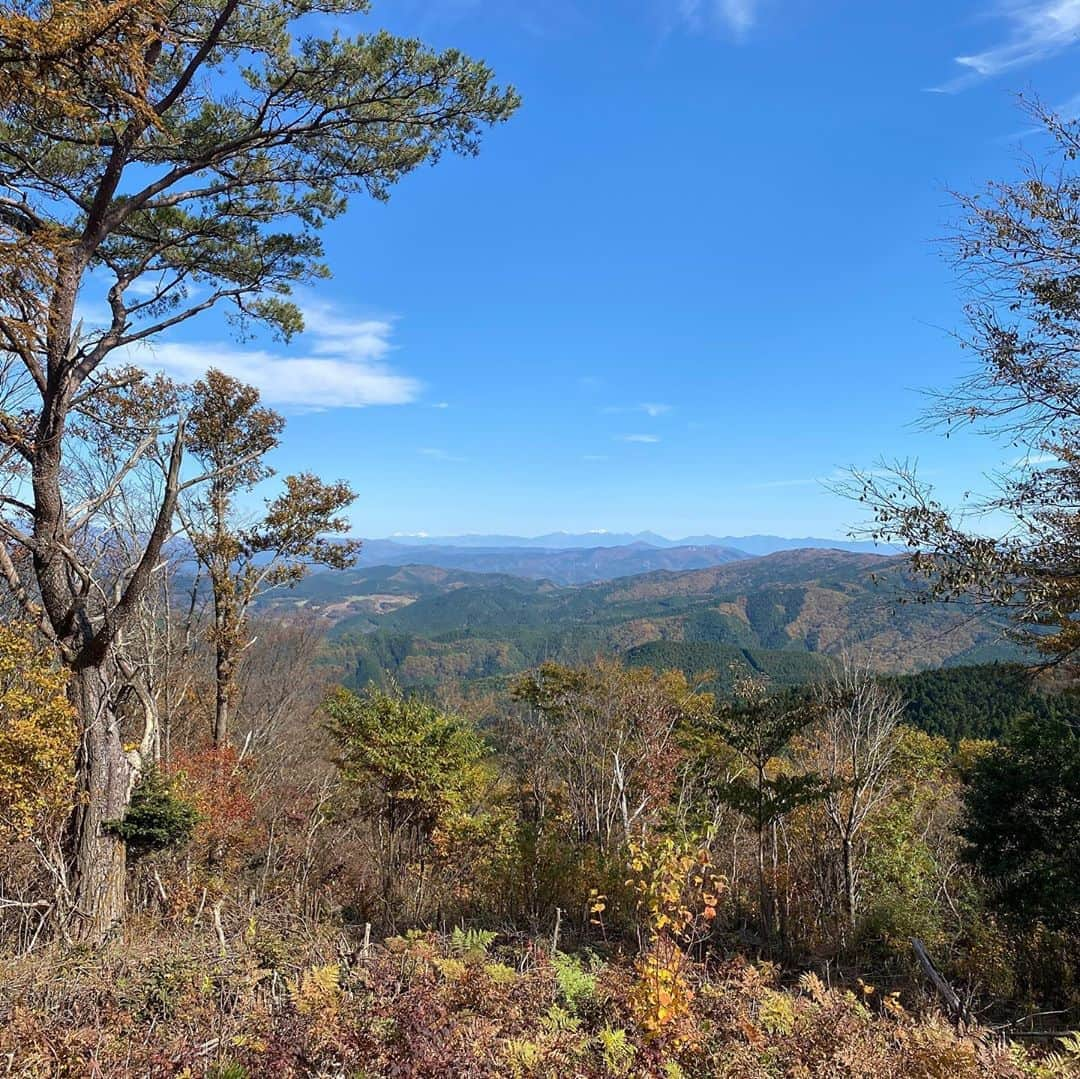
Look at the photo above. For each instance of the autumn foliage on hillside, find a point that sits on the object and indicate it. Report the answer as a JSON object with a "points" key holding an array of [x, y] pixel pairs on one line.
{"points": [[604, 872], [221, 856], [464, 1005]]}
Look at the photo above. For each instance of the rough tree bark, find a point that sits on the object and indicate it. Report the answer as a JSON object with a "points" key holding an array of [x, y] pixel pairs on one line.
{"points": [[105, 771], [105, 778]]}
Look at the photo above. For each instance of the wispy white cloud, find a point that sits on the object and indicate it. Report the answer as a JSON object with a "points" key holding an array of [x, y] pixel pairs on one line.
{"points": [[1035, 30], [332, 332], [438, 455], [144, 287], [338, 362], [1033, 460], [1069, 110], [650, 408], [738, 16], [639, 438], [441, 404], [595, 457]]}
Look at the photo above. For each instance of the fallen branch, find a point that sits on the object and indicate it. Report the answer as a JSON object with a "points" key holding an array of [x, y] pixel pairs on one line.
{"points": [[949, 995], [216, 909]]}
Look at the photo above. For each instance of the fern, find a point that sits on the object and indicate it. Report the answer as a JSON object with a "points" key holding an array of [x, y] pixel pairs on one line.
{"points": [[577, 986], [618, 1051], [471, 944]]}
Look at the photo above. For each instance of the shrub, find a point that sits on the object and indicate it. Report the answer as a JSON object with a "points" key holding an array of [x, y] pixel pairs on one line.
{"points": [[158, 817], [1022, 823], [37, 735], [397, 1014], [577, 986]]}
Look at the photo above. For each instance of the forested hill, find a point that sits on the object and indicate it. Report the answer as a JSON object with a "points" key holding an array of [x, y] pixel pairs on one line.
{"points": [[981, 701], [785, 614]]}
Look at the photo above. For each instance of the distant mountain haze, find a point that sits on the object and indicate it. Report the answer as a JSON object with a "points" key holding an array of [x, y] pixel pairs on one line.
{"points": [[753, 545], [563, 565], [787, 615], [568, 558]]}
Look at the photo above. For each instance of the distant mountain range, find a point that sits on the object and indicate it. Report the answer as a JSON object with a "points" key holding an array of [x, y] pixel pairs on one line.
{"points": [[563, 565], [566, 558], [787, 615], [752, 545]]}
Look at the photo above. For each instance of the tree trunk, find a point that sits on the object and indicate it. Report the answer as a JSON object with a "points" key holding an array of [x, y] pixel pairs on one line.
{"points": [[849, 886], [764, 894], [223, 676], [779, 897], [764, 905], [104, 781]]}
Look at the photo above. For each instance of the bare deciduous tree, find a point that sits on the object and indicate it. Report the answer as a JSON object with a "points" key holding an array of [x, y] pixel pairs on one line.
{"points": [[607, 736], [852, 749]]}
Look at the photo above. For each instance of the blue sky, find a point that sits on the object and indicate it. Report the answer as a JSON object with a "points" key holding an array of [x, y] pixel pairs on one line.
{"points": [[693, 276]]}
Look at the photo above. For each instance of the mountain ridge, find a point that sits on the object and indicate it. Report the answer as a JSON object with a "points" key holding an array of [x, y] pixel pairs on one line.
{"points": [[563, 565], [789, 615], [754, 544]]}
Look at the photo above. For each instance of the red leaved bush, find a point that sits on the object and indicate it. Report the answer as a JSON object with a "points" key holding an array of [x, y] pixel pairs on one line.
{"points": [[216, 779]]}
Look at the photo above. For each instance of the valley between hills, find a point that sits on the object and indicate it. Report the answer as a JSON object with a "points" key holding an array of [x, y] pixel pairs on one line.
{"points": [[787, 615]]}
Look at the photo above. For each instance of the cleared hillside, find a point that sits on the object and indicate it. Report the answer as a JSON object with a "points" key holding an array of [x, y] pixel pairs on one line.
{"points": [[787, 614]]}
